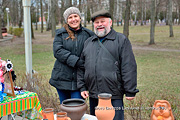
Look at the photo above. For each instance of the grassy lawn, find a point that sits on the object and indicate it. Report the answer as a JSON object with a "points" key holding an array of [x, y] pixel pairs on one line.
{"points": [[158, 71]]}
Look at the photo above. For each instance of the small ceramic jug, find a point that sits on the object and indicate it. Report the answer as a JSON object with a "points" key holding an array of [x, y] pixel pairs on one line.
{"points": [[48, 113], [62, 116], [104, 110]]}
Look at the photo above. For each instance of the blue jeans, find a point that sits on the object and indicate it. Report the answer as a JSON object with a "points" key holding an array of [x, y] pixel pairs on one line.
{"points": [[116, 103], [68, 94]]}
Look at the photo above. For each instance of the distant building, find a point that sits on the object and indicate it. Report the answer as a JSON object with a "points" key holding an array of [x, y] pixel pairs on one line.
{"points": [[44, 20]]}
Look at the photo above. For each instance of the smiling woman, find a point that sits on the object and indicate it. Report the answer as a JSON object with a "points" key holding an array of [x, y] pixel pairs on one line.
{"points": [[67, 47], [74, 21]]}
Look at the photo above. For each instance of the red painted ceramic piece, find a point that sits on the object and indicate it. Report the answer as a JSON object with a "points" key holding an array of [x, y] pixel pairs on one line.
{"points": [[48, 113], [162, 111], [62, 116]]}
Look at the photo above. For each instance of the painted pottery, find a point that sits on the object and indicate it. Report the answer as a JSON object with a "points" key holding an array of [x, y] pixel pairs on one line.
{"points": [[48, 113], [62, 116], [75, 108], [104, 110], [162, 111]]}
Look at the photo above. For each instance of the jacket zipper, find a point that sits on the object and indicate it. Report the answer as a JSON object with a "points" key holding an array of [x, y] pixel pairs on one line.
{"points": [[76, 40], [96, 70]]}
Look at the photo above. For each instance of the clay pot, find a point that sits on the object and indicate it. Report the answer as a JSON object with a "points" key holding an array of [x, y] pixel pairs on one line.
{"points": [[62, 116], [48, 113], [75, 108], [104, 110]]}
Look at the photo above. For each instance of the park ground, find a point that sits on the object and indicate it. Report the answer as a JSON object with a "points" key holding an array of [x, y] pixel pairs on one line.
{"points": [[158, 68]]}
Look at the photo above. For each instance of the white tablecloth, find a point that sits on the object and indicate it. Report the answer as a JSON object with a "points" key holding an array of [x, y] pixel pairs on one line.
{"points": [[84, 117], [89, 117]]}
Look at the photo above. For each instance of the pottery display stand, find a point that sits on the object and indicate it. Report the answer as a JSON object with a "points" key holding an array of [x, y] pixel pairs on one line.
{"points": [[162, 110], [7, 67], [104, 110]]}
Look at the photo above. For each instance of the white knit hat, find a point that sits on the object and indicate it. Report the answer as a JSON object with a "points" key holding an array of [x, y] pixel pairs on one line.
{"points": [[69, 11]]}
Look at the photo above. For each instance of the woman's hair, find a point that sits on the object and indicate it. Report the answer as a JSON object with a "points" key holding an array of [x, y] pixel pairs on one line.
{"points": [[71, 33]]}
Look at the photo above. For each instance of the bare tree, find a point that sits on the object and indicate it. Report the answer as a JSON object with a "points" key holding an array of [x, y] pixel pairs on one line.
{"points": [[170, 19], [1, 37], [53, 20], [111, 10], [153, 15], [37, 15], [20, 13], [178, 4], [48, 26], [145, 13], [135, 16], [167, 12], [142, 19], [41, 5], [84, 10], [117, 12], [80, 6], [127, 17], [32, 31], [179, 12]]}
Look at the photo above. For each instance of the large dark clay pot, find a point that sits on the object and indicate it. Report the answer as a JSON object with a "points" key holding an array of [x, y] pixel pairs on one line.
{"points": [[75, 108]]}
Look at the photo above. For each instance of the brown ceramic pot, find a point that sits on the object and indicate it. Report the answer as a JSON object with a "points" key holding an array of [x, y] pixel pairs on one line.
{"points": [[104, 110], [62, 116], [75, 108]]}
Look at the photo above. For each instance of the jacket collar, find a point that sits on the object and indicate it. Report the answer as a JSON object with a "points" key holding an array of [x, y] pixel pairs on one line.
{"points": [[80, 29], [110, 36]]}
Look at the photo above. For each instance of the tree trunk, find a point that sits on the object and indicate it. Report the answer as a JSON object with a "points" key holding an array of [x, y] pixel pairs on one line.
{"points": [[153, 15], [111, 10], [48, 26], [170, 19], [53, 21], [62, 10], [1, 37], [127, 16], [20, 10], [117, 13], [37, 16], [142, 13], [167, 12], [32, 31], [121, 12], [179, 16], [85, 12], [41, 16], [135, 16], [80, 7], [145, 14]]}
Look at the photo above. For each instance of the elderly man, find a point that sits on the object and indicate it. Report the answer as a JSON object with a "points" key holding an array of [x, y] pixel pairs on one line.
{"points": [[109, 67]]}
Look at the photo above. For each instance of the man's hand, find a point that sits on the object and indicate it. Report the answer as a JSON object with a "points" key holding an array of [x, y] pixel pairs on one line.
{"points": [[84, 94], [130, 98]]}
